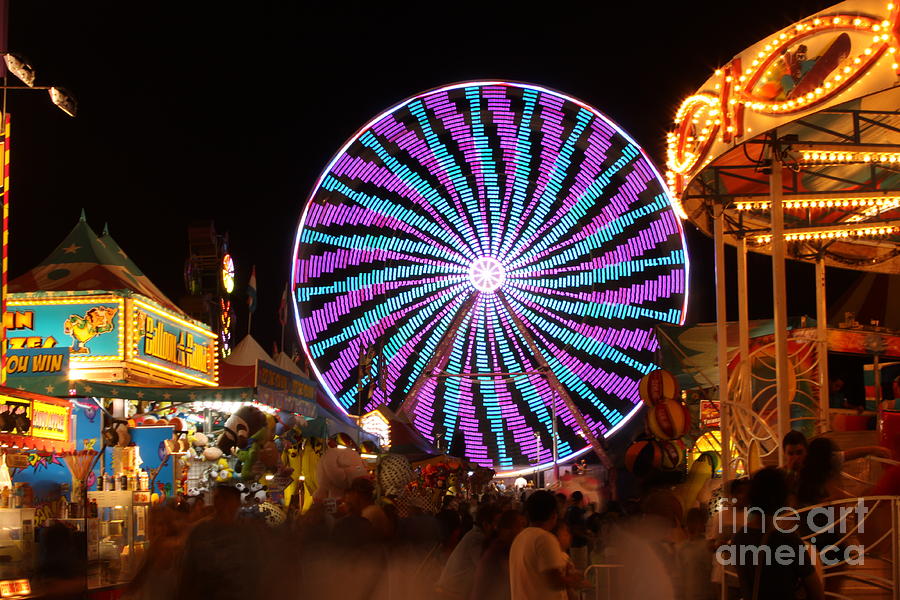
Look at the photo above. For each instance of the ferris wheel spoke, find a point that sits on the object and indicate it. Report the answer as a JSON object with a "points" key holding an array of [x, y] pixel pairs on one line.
{"points": [[583, 200], [461, 222], [600, 234], [561, 230], [469, 137], [556, 159], [393, 217], [443, 165]]}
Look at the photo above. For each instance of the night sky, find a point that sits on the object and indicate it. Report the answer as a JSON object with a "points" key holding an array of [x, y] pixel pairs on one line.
{"points": [[225, 111]]}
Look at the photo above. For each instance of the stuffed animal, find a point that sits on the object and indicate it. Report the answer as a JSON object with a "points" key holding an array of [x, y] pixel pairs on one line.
{"points": [[240, 427], [393, 474], [337, 468], [254, 493]]}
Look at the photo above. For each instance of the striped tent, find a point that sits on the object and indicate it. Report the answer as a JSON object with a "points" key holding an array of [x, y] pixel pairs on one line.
{"points": [[83, 261]]}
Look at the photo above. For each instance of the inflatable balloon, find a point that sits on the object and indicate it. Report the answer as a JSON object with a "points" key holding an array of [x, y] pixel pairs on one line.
{"points": [[701, 472], [672, 455], [668, 420], [714, 459], [643, 456], [657, 386]]}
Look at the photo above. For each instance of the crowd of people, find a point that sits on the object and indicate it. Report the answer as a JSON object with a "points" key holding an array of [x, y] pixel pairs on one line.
{"points": [[515, 545]]}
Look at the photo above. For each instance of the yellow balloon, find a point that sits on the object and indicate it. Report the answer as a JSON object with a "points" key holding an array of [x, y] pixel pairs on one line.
{"points": [[701, 472]]}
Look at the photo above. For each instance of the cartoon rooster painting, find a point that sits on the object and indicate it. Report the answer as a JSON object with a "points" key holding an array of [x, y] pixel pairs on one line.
{"points": [[96, 321]]}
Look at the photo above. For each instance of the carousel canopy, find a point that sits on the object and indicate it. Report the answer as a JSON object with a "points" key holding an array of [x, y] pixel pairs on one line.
{"points": [[820, 96], [83, 261]]}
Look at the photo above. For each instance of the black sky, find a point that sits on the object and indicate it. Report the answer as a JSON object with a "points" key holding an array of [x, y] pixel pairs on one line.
{"points": [[217, 110]]}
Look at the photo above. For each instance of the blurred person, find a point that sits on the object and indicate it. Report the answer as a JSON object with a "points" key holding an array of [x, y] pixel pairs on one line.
{"points": [[158, 575], [359, 503], [695, 558], [723, 526], [794, 446], [645, 546], [564, 536], [576, 519], [561, 503], [458, 575], [61, 570], [223, 555], [537, 565], [755, 549], [492, 573]]}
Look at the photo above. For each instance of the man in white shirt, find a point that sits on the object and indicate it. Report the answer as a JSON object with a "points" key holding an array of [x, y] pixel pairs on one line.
{"points": [[537, 565], [458, 575]]}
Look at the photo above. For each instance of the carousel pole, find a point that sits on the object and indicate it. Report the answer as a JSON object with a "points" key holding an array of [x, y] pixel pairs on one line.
{"points": [[722, 339], [744, 323], [822, 345], [779, 293]]}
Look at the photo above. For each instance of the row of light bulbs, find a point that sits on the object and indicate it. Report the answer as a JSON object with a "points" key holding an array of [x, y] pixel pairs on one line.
{"points": [[850, 157], [888, 202], [830, 234]]}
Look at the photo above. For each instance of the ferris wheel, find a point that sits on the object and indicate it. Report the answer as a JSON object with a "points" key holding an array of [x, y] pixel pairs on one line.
{"points": [[505, 251]]}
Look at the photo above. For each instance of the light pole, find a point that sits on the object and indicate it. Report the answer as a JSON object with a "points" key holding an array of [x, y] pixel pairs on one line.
{"points": [[23, 70]]}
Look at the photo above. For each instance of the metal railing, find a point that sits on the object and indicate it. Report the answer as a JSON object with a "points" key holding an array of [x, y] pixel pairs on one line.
{"points": [[865, 559], [604, 580]]}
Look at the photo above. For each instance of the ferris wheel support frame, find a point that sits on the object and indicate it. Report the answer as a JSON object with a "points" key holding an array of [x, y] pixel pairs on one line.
{"points": [[438, 360], [557, 387]]}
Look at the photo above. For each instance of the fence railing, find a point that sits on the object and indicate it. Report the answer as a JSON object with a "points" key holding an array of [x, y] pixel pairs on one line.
{"points": [[856, 546], [604, 580]]}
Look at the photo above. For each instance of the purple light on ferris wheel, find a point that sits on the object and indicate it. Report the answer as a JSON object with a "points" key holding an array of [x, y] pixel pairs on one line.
{"points": [[489, 189]]}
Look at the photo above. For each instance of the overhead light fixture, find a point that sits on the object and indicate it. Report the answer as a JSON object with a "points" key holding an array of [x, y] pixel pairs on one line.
{"points": [[63, 100], [20, 67]]}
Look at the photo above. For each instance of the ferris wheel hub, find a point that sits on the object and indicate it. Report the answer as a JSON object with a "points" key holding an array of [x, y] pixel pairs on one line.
{"points": [[487, 274]]}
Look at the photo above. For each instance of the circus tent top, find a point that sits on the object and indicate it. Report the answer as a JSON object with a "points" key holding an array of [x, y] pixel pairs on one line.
{"points": [[823, 94], [83, 261]]}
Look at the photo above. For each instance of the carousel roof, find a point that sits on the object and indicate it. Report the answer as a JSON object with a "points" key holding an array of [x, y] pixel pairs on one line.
{"points": [[83, 261], [820, 95]]}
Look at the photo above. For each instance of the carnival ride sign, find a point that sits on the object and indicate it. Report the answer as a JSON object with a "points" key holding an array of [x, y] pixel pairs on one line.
{"points": [[173, 345], [90, 329]]}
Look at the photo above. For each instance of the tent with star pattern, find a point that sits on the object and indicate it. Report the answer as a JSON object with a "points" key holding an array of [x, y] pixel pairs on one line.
{"points": [[83, 261]]}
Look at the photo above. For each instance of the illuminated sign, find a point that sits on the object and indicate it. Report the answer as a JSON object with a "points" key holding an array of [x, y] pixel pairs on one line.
{"points": [[49, 421], [90, 329], [38, 361], [173, 345], [228, 273]]}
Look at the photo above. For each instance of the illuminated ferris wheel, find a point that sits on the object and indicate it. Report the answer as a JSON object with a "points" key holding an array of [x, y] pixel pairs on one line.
{"points": [[505, 251]]}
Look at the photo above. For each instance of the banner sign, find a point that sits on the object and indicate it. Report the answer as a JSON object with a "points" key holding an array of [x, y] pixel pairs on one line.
{"points": [[49, 421], [91, 330], [37, 362], [174, 345], [709, 414], [285, 390]]}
